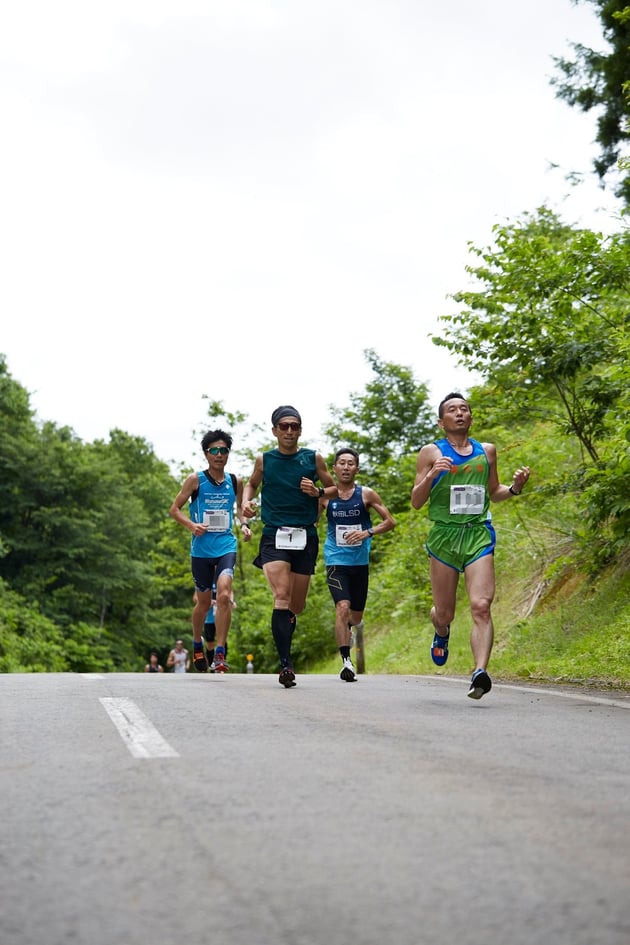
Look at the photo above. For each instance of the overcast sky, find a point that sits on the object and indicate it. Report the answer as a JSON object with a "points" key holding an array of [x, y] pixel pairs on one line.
{"points": [[236, 198]]}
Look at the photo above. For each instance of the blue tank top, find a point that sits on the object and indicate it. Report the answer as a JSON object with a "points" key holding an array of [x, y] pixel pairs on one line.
{"points": [[213, 504], [345, 512]]}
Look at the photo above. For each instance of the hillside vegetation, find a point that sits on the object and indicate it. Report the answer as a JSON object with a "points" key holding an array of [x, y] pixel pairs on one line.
{"points": [[94, 573]]}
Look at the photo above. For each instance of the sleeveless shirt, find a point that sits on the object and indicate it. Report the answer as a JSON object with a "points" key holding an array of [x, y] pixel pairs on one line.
{"points": [[353, 512], [282, 501], [212, 498], [472, 470]]}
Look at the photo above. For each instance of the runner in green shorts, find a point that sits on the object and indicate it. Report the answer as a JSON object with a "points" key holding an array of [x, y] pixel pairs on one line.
{"points": [[458, 477]]}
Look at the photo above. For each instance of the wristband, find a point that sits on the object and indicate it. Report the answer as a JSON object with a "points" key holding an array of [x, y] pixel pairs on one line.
{"points": [[244, 524], [321, 492], [370, 532], [513, 491]]}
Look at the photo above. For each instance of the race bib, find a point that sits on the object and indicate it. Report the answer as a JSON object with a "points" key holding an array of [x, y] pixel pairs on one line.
{"points": [[340, 533], [467, 500], [216, 520], [292, 538]]}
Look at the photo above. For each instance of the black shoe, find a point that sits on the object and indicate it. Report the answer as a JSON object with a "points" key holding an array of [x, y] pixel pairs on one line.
{"points": [[286, 677], [480, 684], [199, 661]]}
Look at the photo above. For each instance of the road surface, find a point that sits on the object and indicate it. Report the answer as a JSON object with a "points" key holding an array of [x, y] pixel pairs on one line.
{"points": [[146, 809]]}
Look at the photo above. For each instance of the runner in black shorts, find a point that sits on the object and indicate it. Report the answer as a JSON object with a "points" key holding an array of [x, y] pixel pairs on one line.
{"points": [[347, 551], [289, 543]]}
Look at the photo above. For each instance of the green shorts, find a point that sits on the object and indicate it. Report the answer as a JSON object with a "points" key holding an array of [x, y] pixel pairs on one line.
{"points": [[459, 545]]}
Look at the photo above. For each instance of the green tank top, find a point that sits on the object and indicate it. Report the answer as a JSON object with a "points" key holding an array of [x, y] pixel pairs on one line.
{"points": [[460, 496], [282, 501]]}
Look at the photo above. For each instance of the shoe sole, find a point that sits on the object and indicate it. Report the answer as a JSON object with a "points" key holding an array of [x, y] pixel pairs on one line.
{"points": [[476, 692], [347, 675], [222, 669], [287, 678], [199, 667]]}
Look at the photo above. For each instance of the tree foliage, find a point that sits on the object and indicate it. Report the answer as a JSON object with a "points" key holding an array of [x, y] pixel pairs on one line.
{"points": [[547, 331], [599, 80], [389, 419]]}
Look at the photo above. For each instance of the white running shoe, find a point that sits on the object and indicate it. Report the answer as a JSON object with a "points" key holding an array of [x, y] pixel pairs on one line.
{"points": [[347, 673]]}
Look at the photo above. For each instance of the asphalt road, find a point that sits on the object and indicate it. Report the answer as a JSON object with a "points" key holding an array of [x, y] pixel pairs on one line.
{"points": [[144, 809]]}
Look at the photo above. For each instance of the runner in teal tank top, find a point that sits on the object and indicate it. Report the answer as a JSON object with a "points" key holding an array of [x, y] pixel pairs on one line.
{"points": [[458, 477], [289, 543]]}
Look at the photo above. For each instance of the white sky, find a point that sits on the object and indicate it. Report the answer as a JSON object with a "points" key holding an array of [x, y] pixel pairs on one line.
{"points": [[236, 198]]}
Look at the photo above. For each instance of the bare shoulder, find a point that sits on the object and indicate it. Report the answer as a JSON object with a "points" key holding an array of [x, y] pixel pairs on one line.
{"points": [[428, 453]]}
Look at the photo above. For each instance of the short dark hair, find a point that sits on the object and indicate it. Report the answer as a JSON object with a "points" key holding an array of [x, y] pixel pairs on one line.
{"points": [[450, 396], [346, 449], [213, 435]]}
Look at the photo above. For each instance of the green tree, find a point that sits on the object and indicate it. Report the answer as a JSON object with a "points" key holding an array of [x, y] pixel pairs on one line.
{"points": [[547, 322], [548, 333], [599, 80], [391, 418]]}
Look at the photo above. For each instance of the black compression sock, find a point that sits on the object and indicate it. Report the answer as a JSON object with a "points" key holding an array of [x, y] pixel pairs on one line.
{"points": [[282, 632]]}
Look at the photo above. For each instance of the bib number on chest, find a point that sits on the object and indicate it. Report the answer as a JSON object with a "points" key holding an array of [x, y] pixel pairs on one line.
{"points": [[216, 520], [467, 500], [340, 534]]}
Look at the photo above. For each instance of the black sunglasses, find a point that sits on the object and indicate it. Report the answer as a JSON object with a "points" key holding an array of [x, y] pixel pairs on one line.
{"points": [[294, 427]]}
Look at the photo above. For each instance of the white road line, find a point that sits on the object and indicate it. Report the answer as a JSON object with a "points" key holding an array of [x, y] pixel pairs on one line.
{"points": [[139, 734], [92, 675]]}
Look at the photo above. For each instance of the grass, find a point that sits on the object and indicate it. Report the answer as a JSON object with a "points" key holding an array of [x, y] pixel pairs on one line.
{"points": [[563, 630]]}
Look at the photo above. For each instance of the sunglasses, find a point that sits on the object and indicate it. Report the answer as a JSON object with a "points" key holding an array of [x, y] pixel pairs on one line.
{"points": [[294, 427], [218, 451]]}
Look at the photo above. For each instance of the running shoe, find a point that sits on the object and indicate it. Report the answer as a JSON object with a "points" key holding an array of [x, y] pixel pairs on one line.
{"points": [[439, 648], [199, 661], [286, 677], [220, 666], [480, 684], [347, 673]]}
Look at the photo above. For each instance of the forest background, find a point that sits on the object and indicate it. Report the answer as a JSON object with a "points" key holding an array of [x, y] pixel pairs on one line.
{"points": [[94, 574]]}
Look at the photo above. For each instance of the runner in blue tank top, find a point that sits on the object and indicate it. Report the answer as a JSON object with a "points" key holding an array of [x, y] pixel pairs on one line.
{"points": [[347, 550], [212, 497], [458, 477], [289, 542]]}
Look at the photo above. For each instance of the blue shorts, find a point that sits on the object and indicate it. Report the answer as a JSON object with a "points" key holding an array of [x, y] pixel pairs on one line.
{"points": [[206, 571]]}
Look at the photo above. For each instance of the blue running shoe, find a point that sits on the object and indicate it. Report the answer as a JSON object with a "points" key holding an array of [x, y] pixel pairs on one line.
{"points": [[439, 648], [480, 684]]}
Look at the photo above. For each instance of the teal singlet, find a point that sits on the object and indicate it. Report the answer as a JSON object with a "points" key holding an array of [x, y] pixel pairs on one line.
{"points": [[282, 501]]}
